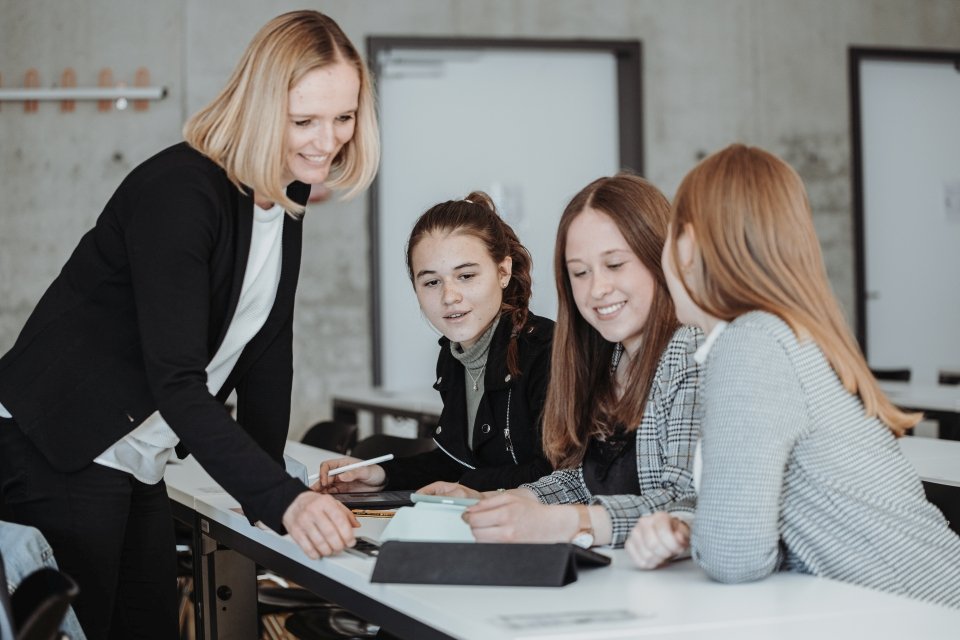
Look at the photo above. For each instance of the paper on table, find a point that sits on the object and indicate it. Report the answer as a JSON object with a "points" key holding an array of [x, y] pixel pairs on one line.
{"points": [[428, 522]]}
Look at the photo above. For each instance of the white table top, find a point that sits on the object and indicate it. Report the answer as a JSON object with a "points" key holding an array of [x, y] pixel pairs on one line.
{"points": [[188, 483], [928, 397], [935, 460], [421, 399], [678, 601]]}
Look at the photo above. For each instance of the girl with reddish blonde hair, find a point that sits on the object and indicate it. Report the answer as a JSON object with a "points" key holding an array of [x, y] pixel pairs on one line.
{"points": [[800, 465]]}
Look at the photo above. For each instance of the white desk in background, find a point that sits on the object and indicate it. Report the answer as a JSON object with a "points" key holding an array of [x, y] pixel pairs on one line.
{"points": [[938, 463], [932, 398], [940, 402], [421, 404], [678, 601], [936, 460]]}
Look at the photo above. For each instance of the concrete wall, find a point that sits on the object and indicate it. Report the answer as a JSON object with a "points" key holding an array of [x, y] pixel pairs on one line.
{"points": [[766, 72]]}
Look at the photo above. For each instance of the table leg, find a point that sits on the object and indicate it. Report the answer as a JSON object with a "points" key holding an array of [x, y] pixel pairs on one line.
{"points": [[227, 593]]}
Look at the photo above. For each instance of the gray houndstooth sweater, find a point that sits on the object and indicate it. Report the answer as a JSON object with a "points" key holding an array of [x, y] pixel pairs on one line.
{"points": [[795, 475]]}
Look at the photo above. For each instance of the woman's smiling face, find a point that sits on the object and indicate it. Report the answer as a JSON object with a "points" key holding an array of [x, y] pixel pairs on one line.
{"points": [[611, 286]]}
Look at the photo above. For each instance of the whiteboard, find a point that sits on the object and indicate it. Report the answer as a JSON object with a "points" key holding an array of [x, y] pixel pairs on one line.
{"points": [[910, 157], [530, 127]]}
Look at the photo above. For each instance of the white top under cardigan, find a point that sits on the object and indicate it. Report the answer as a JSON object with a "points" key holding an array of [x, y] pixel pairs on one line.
{"points": [[144, 452], [701, 358]]}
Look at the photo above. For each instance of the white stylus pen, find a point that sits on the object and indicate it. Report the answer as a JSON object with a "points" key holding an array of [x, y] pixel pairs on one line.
{"points": [[362, 463]]}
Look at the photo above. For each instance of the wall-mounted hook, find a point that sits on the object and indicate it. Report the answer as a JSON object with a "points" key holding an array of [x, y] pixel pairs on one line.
{"points": [[142, 79], [68, 79], [105, 79], [31, 79], [107, 95]]}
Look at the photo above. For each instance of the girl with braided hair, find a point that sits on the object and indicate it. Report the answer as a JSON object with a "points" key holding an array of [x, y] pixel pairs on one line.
{"points": [[472, 280]]}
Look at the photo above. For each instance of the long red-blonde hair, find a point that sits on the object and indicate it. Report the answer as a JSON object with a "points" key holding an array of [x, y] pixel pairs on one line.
{"points": [[757, 250], [581, 399]]}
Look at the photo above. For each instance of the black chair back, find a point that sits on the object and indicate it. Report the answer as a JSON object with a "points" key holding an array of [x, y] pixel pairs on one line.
{"points": [[40, 602], [950, 430], [899, 375], [950, 377], [380, 444], [332, 436]]}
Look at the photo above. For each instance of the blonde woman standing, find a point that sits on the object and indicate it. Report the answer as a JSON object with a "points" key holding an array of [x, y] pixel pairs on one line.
{"points": [[181, 293], [801, 469]]}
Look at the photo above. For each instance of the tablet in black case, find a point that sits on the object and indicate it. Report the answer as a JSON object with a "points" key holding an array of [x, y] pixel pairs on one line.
{"points": [[375, 499], [521, 565]]}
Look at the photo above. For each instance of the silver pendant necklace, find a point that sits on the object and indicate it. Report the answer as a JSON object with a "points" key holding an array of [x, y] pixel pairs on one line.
{"points": [[476, 380]]}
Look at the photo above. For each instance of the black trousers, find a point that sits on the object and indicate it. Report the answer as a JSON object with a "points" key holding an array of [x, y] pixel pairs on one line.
{"points": [[110, 532]]}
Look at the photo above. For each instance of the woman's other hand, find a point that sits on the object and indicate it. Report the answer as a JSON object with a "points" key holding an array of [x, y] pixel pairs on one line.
{"points": [[319, 524], [656, 538]]}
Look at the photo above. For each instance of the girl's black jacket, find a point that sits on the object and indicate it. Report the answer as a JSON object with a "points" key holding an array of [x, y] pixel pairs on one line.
{"points": [[507, 444]]}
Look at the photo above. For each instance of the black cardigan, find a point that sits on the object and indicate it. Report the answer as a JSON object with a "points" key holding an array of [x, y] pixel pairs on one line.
{"points": [[491, 464], [133, 319]]}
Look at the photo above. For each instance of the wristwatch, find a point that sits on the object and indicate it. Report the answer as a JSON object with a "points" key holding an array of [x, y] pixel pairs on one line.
{"points": [[584, 536]]}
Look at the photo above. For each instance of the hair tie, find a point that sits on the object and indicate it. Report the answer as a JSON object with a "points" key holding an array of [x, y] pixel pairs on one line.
{"points": [[470, 201]]}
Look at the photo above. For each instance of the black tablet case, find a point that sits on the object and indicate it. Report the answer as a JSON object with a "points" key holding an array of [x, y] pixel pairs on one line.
{"points": [[375, 500], [520, 565]]}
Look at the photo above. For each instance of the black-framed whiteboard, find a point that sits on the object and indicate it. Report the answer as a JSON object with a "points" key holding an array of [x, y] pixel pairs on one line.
{"points": [[905, 124], [528, 121]]}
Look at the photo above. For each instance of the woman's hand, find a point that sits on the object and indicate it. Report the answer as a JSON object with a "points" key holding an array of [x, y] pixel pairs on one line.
{"points": [[452, 489], [319, 524], [656, 538], [507, 517], [369, 478]]}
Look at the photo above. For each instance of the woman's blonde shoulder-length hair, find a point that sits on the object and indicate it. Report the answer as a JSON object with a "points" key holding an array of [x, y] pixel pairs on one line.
{"points": [[758, 250], [244, 128]]}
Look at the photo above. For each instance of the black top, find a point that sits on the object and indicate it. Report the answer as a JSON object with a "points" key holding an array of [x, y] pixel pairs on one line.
{"points": [[132, 321], [610, 465], [507, 446]]}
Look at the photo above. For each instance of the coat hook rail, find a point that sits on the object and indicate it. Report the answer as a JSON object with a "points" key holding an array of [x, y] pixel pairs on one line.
{"points": [[82, 93]]}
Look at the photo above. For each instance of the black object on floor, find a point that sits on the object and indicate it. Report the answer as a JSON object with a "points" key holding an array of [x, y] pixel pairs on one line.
{"points": [[332, 623]]}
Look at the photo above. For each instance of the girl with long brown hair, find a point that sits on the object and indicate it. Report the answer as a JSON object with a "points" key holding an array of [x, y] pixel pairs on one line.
{"points": [[621, 415], [472, 278], [800, 465]]}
